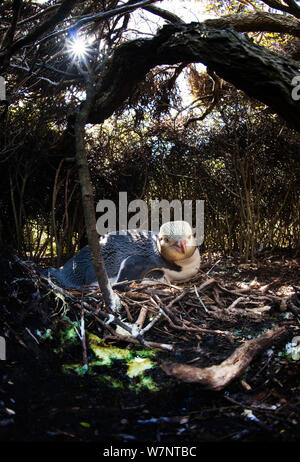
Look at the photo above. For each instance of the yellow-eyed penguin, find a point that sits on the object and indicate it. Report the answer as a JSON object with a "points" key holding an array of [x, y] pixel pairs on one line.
{"points": [[172, 253]]}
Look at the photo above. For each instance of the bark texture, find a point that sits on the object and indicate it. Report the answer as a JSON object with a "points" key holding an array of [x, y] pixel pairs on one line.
{"points": [[217, 377], [260, 73], [111, 300], [257, 22]]}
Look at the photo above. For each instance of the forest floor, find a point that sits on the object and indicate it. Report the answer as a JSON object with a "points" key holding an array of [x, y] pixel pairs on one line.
{"points": [[133, 393]]}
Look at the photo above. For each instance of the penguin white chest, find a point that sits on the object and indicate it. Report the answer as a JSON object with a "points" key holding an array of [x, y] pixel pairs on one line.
{"points": [[190, 267]]}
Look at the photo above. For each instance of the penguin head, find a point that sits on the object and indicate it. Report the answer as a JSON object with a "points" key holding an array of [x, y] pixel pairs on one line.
{"points": [[176, 241]]}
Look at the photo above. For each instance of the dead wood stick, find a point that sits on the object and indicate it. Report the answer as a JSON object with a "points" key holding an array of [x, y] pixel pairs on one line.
{"points": [[208, 264], [175, 300], [264, 407], [272, 298], [164, 293], [166, 309], [293, 308], [142, 316], [131, 329], [262, 309], [171, 318], [264, 289], [106, 326], [236, 302], [154, 320], [206, 284], [147, 285], [245, 313], [238, 292], [125, 338], [136, 296], [129, 316], [218, 376], [16, 335], [196, 329], [217, 298], [151, 324]]}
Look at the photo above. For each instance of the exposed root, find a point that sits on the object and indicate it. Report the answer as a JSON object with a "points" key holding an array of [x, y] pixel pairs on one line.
{"points": [[217, 377]]}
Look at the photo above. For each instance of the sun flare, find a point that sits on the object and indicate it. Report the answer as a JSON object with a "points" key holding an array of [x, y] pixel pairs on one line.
{"points": [[77, 47]]}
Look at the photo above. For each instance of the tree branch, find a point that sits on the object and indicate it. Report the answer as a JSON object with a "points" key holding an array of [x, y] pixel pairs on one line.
{"points": [[257, 22], [291, 7], [38, 15], [99, 17], [167, 15], [215, 98], [63, 11], [218, 376], [257, 71], [9, 36]]}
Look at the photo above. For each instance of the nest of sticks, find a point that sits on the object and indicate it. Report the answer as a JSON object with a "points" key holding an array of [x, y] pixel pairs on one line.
{"points": [[177, 318]]}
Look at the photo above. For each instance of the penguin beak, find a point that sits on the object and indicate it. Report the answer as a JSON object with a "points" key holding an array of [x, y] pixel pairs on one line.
{"points": [[181, 245]]}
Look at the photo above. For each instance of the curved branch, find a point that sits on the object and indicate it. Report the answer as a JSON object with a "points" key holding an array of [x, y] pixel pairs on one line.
{"points": [[218, 376], [260, 73], [167, 15], [257, 22], [291, 6]]}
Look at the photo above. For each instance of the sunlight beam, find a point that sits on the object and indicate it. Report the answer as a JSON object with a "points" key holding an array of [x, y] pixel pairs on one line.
{"points": [[77, 47]]}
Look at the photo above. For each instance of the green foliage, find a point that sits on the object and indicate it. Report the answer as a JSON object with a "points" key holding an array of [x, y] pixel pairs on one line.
{"points": [[136, 364]]}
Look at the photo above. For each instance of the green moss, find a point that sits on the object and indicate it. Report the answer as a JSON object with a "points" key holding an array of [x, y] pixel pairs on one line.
{"points": [[137, 362], [107, 353], [77, 368], [137, 366], [145, 383]]}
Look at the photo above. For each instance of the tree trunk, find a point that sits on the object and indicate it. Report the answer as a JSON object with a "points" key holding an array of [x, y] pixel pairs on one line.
{"points": [[110, 298]]}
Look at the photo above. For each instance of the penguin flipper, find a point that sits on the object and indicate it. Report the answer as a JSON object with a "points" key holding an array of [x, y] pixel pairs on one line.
{"points": [[134, 268]]}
